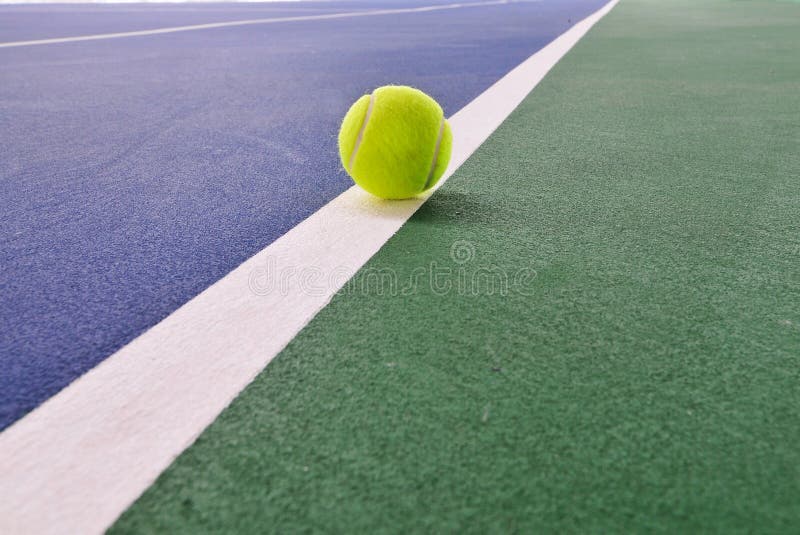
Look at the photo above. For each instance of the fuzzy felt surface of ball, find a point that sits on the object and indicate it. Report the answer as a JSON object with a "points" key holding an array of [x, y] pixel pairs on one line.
{"points": [[395, 142]]}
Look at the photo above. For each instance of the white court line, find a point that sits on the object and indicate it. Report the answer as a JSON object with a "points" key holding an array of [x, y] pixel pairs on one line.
{"points": [[78, 461], [173, 29]]}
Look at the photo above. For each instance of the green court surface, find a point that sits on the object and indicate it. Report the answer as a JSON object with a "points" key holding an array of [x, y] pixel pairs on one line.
{"points": [[639, 373]]}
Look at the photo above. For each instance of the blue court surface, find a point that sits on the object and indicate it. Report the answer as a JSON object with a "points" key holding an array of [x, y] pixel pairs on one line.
{"points": [[137, 171]]}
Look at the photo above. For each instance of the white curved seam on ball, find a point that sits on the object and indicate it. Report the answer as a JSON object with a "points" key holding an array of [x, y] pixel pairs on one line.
{"points": [[435, 154], [361, 132]]}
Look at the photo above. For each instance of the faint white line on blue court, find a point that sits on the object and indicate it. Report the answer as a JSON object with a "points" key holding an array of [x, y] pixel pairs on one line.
{"points": [[173, 29]]}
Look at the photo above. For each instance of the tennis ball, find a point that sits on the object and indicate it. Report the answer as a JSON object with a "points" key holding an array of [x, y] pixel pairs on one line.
{"points": [[395, 143]]}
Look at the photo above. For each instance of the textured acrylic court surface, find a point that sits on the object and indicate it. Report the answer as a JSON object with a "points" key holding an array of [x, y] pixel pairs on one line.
{"points": [[136, 172], [646, 380]]}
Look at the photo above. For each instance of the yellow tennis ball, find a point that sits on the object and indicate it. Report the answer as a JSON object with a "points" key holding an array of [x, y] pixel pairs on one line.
{"points": [[396, 142]]}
